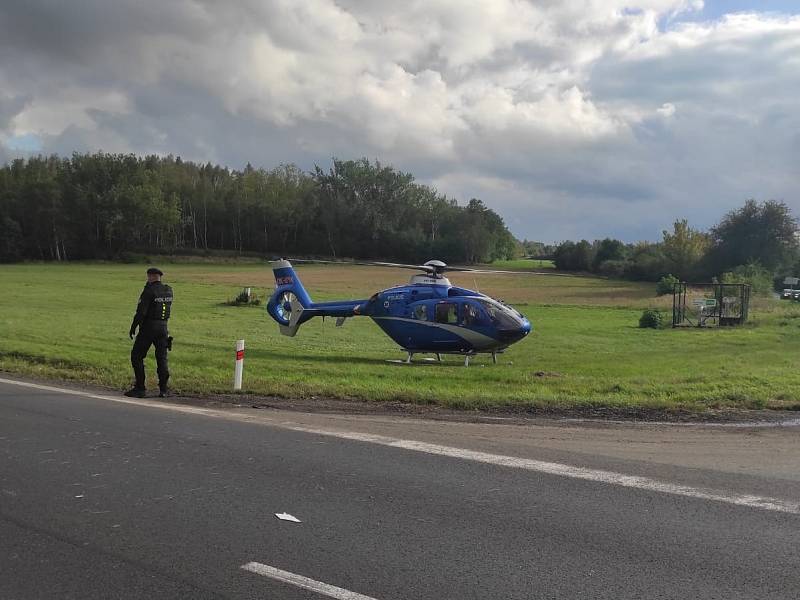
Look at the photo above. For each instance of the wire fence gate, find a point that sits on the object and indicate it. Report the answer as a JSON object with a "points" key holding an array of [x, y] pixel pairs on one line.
{"points": [[710, 304]]}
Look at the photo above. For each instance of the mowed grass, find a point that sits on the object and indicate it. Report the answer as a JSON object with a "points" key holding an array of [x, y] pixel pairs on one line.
{"points": [[71, 322]]}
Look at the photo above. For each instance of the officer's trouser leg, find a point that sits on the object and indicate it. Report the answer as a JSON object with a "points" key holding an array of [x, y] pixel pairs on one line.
{"points": [[138, 352], [162, 365]]}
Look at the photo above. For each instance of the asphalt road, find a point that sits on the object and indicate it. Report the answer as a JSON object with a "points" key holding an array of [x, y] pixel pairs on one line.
{"points": [[108, 500]]}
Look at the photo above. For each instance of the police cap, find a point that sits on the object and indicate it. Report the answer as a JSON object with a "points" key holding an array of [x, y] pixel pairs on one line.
{"points": [[154, 271]]}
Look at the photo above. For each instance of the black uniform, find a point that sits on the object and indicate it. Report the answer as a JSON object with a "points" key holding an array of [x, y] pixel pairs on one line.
{"points": [[152, 314]]}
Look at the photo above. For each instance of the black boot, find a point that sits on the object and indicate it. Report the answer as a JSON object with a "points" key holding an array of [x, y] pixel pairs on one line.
{"points": [[163, 377], [136, 392]]}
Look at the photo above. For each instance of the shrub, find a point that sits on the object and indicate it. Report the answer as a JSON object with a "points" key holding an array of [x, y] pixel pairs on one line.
{"points": [[651, 318], [646, 263], [759, 278], [665, 284], [244, 299], [613, 268], [570, 256], [608, 250]]}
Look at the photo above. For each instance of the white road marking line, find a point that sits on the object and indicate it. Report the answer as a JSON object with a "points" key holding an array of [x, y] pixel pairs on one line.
{"points": [[304, 582], [514, 462], [563, 470], [120, 399]]}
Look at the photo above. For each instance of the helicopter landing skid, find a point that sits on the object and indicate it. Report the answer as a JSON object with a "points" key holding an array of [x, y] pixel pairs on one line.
{"points": [[467, 356]]}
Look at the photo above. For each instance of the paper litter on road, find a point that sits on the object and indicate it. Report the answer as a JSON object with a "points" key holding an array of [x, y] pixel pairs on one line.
{"points": [[287, 517]]}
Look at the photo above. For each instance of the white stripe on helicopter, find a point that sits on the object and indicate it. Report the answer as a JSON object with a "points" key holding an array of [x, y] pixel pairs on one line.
{"points": [[477, 339]]}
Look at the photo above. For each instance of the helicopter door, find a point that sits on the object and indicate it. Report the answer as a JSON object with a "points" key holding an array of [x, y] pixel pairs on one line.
{"points": [[446, 312], [471, 314]]}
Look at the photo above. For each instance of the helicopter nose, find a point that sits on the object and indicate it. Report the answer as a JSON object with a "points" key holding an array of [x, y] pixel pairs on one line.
{"points": [[509, 336], [526, 327]]}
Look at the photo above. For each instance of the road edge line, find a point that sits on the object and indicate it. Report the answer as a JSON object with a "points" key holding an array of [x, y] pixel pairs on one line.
{"points": [[303, 582], [514, 462]]}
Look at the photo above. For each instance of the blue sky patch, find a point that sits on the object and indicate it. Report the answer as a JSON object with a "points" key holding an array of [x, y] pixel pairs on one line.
{"points": [[27, 142]]}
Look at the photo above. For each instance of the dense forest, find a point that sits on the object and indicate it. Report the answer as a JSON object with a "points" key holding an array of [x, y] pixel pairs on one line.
{"points": [[114, 206], [758, 244], [111, 205]]}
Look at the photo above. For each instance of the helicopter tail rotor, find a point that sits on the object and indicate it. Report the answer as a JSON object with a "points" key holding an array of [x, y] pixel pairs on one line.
{"points": [[291, 306], [290, 299]]}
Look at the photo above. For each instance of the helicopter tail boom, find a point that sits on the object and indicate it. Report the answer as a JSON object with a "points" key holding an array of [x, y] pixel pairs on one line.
{"points": [[286, 280], [289, 300], [291, 306]]}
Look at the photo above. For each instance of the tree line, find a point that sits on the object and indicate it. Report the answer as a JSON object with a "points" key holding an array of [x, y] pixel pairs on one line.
{"points": [[107, 206], [757, 243]]}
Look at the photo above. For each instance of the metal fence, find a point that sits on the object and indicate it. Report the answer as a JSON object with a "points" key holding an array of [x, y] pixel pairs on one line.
{"points": [[710, 304]]}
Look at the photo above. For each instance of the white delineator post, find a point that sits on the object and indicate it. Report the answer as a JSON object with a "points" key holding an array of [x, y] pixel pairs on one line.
{"points": [[237, 372]]}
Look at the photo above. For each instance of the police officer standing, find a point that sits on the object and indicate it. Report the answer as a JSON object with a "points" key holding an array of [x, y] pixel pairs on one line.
{"points": [[152, 314]]}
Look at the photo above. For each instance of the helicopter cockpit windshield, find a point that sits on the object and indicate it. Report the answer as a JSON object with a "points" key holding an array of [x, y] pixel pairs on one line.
{"points": [[501, 315]]}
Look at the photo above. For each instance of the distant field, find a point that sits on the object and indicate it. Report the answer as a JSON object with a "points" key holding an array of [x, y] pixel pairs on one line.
{"points": [[71, 322], [523, 264]]}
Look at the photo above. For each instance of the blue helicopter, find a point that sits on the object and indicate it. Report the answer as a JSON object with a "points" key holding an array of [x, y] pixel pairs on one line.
{"points": [[427, 316]]}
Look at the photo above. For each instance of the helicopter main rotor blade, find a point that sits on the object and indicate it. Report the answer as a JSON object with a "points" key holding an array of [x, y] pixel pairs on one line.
{"points": [[427, 268], [433, 269], [468, 270]]}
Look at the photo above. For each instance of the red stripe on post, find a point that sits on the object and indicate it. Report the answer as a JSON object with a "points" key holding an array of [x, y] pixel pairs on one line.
{"points": [[240, 355]]}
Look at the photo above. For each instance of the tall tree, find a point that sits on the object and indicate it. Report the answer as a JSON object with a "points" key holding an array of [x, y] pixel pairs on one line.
{"points": [[606, 250], [684, 248], [766, 233], [105, 205], [571, 256]]}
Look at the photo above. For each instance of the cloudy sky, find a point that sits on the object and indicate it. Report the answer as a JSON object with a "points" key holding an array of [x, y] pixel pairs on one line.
{"points": [[571, 118]]}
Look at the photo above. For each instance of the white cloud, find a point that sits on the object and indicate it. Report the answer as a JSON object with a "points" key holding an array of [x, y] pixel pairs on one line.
{"points": [[667, 110], [74, 108], [571, 108]]}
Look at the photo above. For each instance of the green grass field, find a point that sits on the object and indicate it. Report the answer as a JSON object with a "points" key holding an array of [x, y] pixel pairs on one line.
{"points": [[523, 264], [71, 322]]}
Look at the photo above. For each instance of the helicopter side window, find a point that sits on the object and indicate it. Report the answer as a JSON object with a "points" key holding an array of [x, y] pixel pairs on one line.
{"points": [[446, 312], [420, 312], [470, 314]]}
